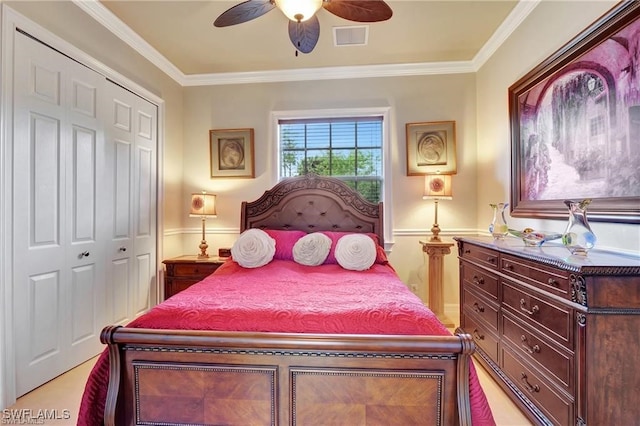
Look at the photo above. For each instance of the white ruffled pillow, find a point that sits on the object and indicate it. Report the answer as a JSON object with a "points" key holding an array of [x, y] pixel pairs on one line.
{"points": [[312, 249], [254, 248], [355, 252]]}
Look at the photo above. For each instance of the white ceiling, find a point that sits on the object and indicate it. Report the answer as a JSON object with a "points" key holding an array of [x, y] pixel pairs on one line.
{"points": [[422, 37]]}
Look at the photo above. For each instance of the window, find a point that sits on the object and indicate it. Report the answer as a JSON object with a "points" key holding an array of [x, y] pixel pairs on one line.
{"points": [[347, 148]]}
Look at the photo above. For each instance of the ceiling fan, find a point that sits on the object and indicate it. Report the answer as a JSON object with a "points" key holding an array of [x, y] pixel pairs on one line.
{"points": [[304, 27]]}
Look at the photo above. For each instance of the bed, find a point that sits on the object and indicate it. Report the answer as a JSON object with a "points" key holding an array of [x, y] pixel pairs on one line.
{"points": [[286, 343]]}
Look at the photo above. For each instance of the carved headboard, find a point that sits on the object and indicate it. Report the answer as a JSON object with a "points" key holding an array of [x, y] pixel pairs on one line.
{"points": [[313, 203]]}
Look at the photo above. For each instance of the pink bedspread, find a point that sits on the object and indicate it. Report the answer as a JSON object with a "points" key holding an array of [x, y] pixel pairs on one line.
{"points": [[284, 296]]}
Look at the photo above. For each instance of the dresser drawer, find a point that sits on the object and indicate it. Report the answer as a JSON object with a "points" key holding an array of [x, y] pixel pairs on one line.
{"points": [[532, 347], [481, 308], [556, 405], [482, 281], [553, 280], [485, 257], [481, 334], [193, 269], [550, 318]]}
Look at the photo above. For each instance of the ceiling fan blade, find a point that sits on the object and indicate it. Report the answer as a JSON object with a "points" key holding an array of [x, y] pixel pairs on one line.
{"points": [[305, 35], [243, 12], [359, 10]]}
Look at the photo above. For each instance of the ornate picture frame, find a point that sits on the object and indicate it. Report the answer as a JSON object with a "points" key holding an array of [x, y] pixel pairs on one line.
{"points": [[231, 153], [575, 125], [431, 148]]}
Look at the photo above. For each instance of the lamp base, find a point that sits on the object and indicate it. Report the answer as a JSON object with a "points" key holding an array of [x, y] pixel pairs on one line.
{"points": [[203, 250], [435, 231]]}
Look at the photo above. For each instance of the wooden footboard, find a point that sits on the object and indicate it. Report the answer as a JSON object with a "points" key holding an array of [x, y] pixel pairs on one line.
{"points": [[201, 377]]}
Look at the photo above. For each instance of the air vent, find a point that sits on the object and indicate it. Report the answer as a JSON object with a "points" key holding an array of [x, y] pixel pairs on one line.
{"points": [[356, 35]]}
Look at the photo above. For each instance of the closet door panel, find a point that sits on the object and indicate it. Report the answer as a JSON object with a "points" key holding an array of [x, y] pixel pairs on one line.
{"points": [[56, 172], [119, 144], [84, 185], [146, 135], [39, 222], [120, 273], [87, 221], [83, 321], [122, 196], [132, 138], [43, 194], [44, 316]]}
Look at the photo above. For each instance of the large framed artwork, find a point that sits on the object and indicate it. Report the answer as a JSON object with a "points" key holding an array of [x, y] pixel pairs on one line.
{"points": [[231, 152], [575, 125], [431, 148]]}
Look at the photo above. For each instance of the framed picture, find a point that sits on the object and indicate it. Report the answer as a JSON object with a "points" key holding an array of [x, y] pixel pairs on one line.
{"points": [[575, 125], [231, 153], [431, 148]]}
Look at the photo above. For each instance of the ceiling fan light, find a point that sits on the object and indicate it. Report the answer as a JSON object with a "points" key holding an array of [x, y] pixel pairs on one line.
{"points": [[299, 10]]}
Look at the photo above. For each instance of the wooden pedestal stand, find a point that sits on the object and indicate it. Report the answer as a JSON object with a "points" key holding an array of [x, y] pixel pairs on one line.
{"points": [[436, 250]]}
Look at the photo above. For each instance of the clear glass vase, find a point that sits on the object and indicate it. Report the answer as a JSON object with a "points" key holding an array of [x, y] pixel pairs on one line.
{"points": [[498, 227], [578, 238]]}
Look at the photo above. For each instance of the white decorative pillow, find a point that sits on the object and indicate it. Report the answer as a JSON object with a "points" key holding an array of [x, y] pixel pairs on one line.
{"points": [[312, 249], [356, 252], [254, 248]]}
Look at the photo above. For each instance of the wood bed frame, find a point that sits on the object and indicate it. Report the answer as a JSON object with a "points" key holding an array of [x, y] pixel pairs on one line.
{"points": [[176, 377]]}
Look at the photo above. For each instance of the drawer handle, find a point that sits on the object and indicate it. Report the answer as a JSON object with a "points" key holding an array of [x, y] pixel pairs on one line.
{"points": [[479, 309], [552, 282], [83, 254], [508, 266], [467, 251], [523, 307], [531, 388], [477, 280], [492, 259], [531, 349], [477, 335]]}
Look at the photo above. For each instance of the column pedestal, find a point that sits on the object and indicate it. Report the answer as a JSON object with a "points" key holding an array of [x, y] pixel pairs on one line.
{"points": [[436, 250]]}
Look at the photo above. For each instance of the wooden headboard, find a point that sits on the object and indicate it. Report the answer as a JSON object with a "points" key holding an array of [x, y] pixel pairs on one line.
{"points": [[313, 203]]}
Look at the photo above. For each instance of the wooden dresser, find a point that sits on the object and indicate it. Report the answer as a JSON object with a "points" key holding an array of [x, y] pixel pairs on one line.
{"points": [[183, 271], [560, 333]]}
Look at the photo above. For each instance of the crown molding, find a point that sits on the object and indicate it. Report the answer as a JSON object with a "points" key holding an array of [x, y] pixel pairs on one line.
{"points": [[508, 26], [111, 22]]}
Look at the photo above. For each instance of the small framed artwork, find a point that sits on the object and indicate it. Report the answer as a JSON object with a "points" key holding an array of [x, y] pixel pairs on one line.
{"points": [[231, 153], [431, 148]]}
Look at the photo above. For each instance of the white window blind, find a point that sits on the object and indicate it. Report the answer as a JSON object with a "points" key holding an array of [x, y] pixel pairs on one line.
{"points": [[348, 148]]}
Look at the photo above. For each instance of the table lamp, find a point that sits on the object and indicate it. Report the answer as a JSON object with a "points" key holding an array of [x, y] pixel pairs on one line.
{"points": [[203, 205], [437, 187]]}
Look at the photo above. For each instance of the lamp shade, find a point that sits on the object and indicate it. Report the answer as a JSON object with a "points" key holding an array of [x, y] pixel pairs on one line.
{"points": [[203, 204], [299, 10], [437, 187]]}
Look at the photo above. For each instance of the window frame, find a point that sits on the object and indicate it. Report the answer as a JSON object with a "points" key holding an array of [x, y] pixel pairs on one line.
{"points": [[320, 114]]}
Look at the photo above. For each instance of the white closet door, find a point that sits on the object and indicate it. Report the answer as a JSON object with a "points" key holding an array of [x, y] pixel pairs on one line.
{"points": [[58, 268], [131, 146]]}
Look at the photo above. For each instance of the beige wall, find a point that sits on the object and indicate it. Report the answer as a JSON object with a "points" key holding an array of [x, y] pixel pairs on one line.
{"points": [[411, 99], [548, 27]]}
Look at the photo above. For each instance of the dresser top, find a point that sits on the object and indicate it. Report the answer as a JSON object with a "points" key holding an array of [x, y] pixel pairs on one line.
{"points": [[555, 254]]}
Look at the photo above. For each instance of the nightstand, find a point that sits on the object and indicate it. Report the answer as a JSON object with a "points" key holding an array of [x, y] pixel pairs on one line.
{"points": [[183, 271]]}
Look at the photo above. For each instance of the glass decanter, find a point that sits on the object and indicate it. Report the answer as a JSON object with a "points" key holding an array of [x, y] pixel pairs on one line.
{"points": [[498, 227], [578, 238]]}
